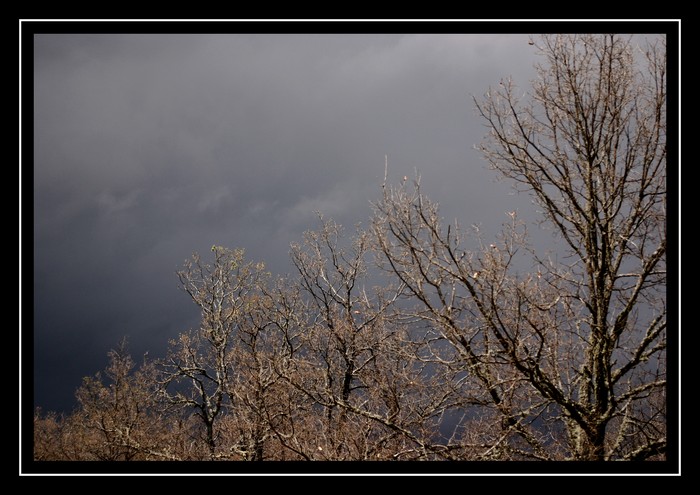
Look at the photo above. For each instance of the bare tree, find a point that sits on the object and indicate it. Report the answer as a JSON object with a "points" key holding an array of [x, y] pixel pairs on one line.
{"points": [[358, 362], [117, 417], [201, 371], [48, 436], [261, 402], [565, 351], [283, 408]]}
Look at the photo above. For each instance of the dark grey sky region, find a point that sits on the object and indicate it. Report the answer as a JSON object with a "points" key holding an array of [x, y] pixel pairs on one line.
{"points": [[150, 147]]}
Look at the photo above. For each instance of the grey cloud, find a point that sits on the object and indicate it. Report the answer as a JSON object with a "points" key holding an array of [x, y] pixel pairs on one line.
{"points": [[150, 147], [111, 203]]}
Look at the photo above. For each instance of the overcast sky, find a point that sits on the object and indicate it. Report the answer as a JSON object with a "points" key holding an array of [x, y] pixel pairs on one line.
{"points": [[150, 147]]}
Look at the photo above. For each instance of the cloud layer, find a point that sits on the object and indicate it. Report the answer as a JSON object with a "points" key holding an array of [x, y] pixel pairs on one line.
{"points": [[150, 147]]}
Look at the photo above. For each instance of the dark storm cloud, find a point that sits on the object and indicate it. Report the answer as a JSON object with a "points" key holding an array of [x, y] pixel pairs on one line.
{"points": [[150, 147]]}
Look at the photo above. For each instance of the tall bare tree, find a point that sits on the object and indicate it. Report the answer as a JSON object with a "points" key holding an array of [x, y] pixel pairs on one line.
{"points": [[566, 351], [201, 370], [356, 364]]}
